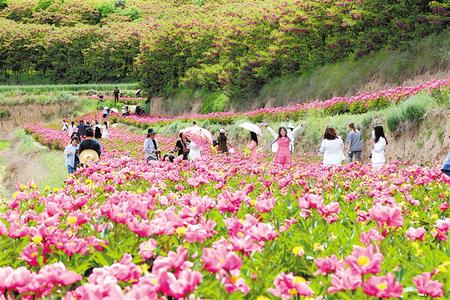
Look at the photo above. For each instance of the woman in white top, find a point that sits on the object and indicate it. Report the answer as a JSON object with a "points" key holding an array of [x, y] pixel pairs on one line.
{"points": [[105, 130], [378, 158], [194, 151], [332, 148]]}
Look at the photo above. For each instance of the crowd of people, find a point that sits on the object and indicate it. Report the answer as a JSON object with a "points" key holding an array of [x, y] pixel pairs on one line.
{"points": [[189, 146], [84, 143], [332, 147]]}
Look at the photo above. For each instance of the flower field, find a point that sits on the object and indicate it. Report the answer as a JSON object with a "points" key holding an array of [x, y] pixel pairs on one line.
{"points": [[226, 228], [337, 105]]}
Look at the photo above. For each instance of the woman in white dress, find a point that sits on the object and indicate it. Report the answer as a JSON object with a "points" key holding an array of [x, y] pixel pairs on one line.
{"points": [[378, 158], [105, 130], [332, 148]]}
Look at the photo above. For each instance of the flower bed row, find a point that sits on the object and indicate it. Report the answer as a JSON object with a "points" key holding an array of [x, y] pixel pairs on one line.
{"points": [[337, 105], [225, 227]]}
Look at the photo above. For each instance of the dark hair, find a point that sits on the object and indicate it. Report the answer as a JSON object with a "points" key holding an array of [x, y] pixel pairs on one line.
{"points": [[89, 132], [352, 126], [181, 135], [106, 124], [330, 133], [279, 131], [379, 132], [73, 123], [254, 137]]}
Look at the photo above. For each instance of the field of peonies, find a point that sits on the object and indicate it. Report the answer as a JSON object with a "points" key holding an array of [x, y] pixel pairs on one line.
{"points": [[225, 228]]}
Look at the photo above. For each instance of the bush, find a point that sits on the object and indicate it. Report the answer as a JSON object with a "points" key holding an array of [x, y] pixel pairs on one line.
{"points": [[413, 113], [393, 120], [442, 96]]}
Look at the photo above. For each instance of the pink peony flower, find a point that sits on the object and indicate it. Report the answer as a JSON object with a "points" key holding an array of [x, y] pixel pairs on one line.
{"points": [[288, 286], [365, 260], [146, 249], [416, 233], [386, 215], [344, 279], [327, 265], [428, 287], [383, 287]]}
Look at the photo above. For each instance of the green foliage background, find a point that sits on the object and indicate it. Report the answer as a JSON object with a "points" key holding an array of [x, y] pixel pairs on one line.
{"points": [[230, 46]]}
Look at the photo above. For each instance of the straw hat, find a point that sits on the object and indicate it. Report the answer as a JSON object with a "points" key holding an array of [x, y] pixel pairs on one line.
{"points": [[88, 155]]}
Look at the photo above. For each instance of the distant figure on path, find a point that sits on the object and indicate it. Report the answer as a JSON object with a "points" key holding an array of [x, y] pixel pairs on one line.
{"points": [[332, 148], [252, 146], [283, 148], [446, 166], [64, 126], [354, 144], [90, 143], [222, 142], [72, 128], [70, 154], [97, 131], [105, 130], [116, 94], [378, 158], [81, 129]]}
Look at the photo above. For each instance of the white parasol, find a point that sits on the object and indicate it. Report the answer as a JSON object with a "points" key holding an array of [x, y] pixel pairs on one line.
{"points": [[251, 127], [199, 132]]}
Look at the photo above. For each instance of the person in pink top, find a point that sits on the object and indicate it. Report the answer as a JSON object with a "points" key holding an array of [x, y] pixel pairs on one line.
{"points": [[253, 145], [283, 153]]}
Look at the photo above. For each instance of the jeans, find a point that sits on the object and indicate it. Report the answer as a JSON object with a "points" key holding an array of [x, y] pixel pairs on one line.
{"points": [[355, 154], [70, 169]]}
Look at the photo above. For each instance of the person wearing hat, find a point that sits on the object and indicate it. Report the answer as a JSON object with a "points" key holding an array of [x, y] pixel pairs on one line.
{"points": [[70, 154], [291, 133], [222, 142], [90, 149], [150, 146]]}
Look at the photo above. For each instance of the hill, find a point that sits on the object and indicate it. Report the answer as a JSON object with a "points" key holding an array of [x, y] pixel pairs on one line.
{"points": [[231, 46]]}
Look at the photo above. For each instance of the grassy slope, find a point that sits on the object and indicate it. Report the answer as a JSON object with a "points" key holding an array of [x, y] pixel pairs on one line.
{"points": [[382, 69]]}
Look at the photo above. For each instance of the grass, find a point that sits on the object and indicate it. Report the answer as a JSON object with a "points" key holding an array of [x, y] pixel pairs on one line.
{"points": [[45, 88], [54, 170], [4, 145], [346, 77]]}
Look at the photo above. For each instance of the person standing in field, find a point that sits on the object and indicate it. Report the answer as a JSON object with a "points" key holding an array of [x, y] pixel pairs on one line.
{"points": [[81, 129], [354, 144], [222, 142], [105, 130], [64, 126], [252, 146], [378, 157], [446, 166], [70, 154], [72, 129], [97, 131], [182, 146], [283, 148], [332, 148], [116, 94], [150, 146], [291, 133], [89, 143]]}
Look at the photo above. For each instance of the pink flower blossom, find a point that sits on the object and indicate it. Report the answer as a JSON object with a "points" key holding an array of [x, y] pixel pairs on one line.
{"points": [[365, 260], [428, 287], [383, 287]]}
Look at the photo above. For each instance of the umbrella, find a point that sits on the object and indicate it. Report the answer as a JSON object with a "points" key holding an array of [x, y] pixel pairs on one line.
{"points": [[198, 132], [251, 127]]}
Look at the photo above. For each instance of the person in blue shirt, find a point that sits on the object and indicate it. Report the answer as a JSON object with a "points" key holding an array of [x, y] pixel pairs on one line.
{"points": [[71, 156], [446, 166]]}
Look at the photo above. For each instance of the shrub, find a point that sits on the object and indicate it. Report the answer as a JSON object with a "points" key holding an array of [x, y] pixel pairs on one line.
{"points": [[413, 112], [442, 96], [393, 120]]}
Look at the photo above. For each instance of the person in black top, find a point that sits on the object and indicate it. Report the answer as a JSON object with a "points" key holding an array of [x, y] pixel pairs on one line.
{"points": [[90, 143], [182, 146], [81, 129], [222, 142], [116, 94], [98, 131]]}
